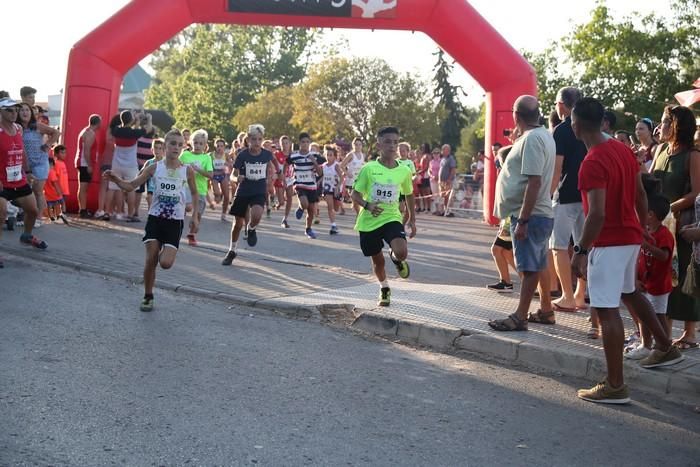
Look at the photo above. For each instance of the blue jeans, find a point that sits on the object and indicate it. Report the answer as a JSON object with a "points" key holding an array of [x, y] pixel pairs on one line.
{"points": [[531, 253]]}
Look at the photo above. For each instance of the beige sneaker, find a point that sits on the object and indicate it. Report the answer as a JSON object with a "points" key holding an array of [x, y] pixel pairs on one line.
{"points": [[603, 393], [660, 358]]}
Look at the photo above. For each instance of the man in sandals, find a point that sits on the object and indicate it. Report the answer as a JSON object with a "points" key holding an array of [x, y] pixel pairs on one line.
{"points": [[523, 195], [615, 205]]}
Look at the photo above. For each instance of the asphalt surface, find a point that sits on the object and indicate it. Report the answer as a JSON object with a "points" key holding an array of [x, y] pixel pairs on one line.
{"points": [[89, 380]]}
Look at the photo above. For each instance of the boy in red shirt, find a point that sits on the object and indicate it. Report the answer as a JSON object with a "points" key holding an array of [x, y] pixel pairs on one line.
{"points": [[59, 153], [654, 271], [53, 194], [614, 201]]}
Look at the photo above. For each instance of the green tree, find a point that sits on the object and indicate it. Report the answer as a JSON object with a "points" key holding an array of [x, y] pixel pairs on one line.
{"points": [[636, 64], [547, 65], [448, 98], [472, 137], [354, 97], [208, 72], [274, 109]]}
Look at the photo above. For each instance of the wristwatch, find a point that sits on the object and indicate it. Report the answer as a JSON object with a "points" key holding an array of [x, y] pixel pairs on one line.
{"points": [[580, 251], [366, 204]]}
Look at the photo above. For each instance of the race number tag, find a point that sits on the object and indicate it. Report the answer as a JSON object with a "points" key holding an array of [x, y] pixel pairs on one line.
{"points": [[14, 173], [219, 164], [329, 181], [305, 176], [385, 193], [255, 170], [169, 190]]}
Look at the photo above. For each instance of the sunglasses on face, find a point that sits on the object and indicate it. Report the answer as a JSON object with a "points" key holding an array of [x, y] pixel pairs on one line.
{"points": [[11, 109]]}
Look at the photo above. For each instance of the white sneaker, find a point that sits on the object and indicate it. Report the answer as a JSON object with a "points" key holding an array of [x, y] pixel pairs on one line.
{"points": [[638, 353], [99, 214], [121, 217]]}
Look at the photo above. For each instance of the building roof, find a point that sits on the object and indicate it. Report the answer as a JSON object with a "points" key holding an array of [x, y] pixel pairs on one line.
{"points": [[136, 80]]}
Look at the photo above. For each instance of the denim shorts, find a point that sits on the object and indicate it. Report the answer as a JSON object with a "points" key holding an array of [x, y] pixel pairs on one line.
{"points": [[531, 253]]}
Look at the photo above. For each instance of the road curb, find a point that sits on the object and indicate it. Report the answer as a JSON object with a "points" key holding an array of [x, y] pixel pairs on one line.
{"points": [[675, 380]]}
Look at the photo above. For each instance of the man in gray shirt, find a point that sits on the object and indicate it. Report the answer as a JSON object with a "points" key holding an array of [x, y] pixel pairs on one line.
{"points": [[523, 194]]}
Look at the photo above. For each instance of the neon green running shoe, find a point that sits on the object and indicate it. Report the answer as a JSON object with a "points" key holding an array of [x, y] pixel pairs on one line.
{"points": [[146, 304], [384, 296]]}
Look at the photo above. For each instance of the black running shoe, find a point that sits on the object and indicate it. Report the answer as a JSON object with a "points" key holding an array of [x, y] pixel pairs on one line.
{"points": [[501, 286], [252, 237], [228, 259]]}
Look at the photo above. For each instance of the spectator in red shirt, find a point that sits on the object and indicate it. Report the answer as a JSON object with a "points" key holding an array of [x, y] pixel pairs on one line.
{"points": [[654, 271], [614, 201]]}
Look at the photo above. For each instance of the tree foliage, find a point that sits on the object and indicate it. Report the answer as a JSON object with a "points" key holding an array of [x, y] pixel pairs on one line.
{"points": [[354, 97], [273, 109], [208, 72], [472, 137], [633, 64], [448, 98]]}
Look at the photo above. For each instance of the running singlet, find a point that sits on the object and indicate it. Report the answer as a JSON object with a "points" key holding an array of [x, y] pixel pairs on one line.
{"points": [[219, 166], [353, 168], [330, 177], [82, 159], [170, 187], [11, 158], [304, 173], [281, 159], [202, 161], [379, 184], [254, 169]]}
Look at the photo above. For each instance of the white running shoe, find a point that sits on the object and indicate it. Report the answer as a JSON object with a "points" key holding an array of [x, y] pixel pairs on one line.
{"points": [[638, 353], [99, 214]]}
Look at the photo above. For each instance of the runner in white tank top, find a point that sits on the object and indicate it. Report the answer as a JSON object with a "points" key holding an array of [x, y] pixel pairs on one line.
{"points": [[351, 166], [172, 180], [331, 184]]}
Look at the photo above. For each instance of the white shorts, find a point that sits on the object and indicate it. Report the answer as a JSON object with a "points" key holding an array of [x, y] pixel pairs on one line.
{"points": [[658, 302], [568, 222], [612, 271], [124, 172]]}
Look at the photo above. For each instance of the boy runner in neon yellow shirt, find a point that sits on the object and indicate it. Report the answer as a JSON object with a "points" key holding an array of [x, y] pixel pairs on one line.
{"points": [[201, 162], [377, 189]]}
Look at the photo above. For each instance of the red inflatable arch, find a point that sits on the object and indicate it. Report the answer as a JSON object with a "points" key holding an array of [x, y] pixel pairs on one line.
{"points": [[99, 61]]}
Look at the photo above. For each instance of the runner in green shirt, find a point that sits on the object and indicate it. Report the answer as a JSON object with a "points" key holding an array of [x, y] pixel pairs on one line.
{"points": [[377, 189], [404, 150], [203, 167]]}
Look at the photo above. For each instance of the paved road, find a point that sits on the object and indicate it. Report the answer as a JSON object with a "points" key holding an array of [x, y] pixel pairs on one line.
{"points": [[86, 380]]}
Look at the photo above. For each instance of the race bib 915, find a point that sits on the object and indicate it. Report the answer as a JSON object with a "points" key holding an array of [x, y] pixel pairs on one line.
{"points": [[385, 193]]}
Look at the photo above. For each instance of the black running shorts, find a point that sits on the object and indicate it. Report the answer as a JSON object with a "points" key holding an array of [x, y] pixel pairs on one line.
{"points": [[241, 204], [165, 231], [373, 242]]}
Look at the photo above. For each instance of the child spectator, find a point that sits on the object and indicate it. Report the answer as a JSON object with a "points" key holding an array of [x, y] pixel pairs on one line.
{"points": [[59, 155], [53, 194], [654, 271]]}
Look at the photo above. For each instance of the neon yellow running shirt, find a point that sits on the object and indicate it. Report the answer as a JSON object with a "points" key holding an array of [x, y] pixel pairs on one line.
{"points": [[203, 161], [379, 184]]}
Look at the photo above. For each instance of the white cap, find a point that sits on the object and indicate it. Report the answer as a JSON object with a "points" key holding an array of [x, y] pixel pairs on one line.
{"points": [[7, 102]]}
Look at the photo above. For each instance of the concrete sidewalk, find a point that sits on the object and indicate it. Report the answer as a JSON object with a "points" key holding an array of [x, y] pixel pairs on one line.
{"points": [[443, 305]]}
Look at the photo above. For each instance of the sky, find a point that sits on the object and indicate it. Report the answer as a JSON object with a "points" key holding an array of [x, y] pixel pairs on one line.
{"points": [[41, 60]]}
